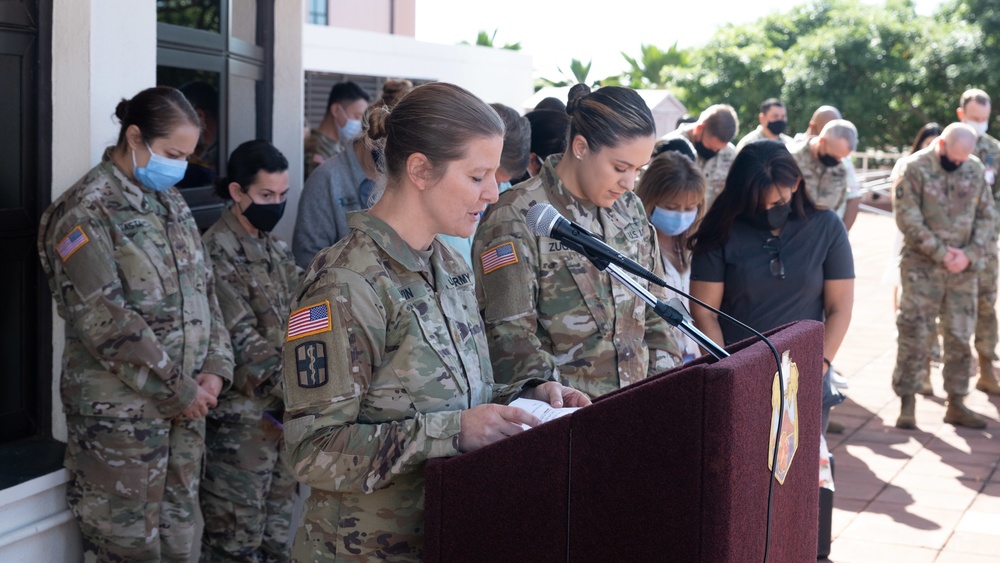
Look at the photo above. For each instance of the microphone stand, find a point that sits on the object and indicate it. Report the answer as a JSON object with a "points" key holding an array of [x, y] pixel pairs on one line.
{"points": [[668, 313]]}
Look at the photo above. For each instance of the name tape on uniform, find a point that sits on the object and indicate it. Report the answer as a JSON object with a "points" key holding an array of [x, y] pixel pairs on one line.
{"points": [[72, 242], [498, 257], [310, 320]]}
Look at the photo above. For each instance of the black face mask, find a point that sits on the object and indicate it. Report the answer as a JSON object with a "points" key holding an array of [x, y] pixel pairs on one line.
{"points": [[704, 151], [770, 219], [264, 216], [948, 164], [777, 127], [828, 160]]}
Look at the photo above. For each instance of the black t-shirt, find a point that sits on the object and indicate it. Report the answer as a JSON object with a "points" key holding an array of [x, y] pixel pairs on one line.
{"points": [[812, 250]]}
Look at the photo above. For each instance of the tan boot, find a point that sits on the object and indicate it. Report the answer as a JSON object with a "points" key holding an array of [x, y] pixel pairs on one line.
{"points": [[959, 415], [907, 413], [987, 377], [926, 389]]}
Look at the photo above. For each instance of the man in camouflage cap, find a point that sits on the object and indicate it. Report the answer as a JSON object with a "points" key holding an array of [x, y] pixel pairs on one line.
{"points": [[974, 110], [711, 136], [946, 213], [821, 160]]}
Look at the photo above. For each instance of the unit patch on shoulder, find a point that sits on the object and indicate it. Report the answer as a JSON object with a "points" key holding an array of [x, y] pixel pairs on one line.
{"points": [[72, 242], [310, 363], [310, 320], [498, 257]]}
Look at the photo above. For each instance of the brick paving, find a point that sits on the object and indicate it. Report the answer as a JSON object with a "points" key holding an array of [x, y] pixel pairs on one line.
{"points": [[911, 496]]}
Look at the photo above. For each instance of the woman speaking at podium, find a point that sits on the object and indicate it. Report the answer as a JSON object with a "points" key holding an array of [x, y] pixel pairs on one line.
{"points": [[549, 312], [385, 357]]}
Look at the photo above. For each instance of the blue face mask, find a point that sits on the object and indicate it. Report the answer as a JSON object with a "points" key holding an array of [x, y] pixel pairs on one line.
{"points": [[503, 186], [160, 173], [671, 222]]}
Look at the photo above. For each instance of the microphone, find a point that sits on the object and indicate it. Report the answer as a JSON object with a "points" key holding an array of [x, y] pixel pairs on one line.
{"points": [[545, 221]]}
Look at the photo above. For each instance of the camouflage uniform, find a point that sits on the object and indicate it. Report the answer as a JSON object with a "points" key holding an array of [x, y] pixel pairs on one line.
{"points": [[936, 209], [715, 169], [130, 277], [317, 148], [393, 351], [988, 151], [826, 185], [246, 495], [758, 135], [552, 314]]}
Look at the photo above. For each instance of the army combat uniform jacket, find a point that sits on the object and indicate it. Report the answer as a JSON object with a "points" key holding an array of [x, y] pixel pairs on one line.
{"points": [[385, 349], [129, 273], [936, 209], [255, 280], [826, 185], [552, 314]]}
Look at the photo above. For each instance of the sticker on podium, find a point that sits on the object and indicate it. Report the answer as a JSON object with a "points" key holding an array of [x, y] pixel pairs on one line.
{"points": [[788, 384]]}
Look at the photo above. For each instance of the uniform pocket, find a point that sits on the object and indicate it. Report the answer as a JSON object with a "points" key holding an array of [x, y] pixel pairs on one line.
{"points": [[144, 271]]}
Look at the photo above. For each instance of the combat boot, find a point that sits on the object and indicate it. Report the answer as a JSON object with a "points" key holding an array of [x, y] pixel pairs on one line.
{"points": [[907, 413], [959, 415], [987, 377], [926, 389]]}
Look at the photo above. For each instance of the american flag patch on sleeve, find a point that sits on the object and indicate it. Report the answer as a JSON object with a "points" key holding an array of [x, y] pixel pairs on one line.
{"points": [[313, 319], [72, 242], [498, 257]]}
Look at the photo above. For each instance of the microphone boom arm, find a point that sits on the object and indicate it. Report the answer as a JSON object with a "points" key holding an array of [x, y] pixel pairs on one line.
{"points": [[668, 313]]}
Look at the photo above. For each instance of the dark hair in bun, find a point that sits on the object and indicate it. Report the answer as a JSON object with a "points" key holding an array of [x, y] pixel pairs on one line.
{"points": [[608, 116], [246, 161], [156, 112]]}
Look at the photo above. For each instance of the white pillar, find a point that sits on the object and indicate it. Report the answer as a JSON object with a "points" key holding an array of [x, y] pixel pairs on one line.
{"points": [[289, 102]]}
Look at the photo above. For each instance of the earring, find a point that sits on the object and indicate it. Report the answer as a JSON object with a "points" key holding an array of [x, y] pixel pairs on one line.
{"points": [[578, 157]]}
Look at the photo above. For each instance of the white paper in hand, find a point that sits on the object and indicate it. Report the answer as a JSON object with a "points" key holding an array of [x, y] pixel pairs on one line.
{"points": [[542, 410]]}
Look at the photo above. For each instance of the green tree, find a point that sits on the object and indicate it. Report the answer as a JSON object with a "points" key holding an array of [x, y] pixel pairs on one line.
{"points": [[484, 39], [739, 67], [578, 73], [650, 69]]}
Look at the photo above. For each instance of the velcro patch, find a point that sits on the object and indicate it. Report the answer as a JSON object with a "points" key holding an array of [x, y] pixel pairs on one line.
{"points": [[310, 320], [72, 242], [498, 257], [310, 363]]}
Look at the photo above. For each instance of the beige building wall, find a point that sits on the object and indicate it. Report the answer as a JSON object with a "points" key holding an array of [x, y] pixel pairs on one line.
{"points": [[397, 17]]}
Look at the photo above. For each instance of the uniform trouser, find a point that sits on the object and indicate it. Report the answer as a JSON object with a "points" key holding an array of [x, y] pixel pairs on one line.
{"points": [[246, 496], [929, 290], [134, 486], [986, 314]]}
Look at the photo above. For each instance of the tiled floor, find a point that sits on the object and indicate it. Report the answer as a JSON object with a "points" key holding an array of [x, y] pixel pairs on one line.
{"points": [[910, 496]]}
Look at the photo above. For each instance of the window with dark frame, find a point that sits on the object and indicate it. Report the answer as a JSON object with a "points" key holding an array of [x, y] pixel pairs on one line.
{"points": [[319, 12], [219, 53]]}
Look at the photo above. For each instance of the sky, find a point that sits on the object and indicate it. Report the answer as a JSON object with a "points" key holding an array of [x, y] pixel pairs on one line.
{"points": [[554, 33]]}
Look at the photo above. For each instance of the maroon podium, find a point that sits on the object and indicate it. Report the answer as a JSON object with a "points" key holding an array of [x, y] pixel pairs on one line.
{"points": [[673, 468]]}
